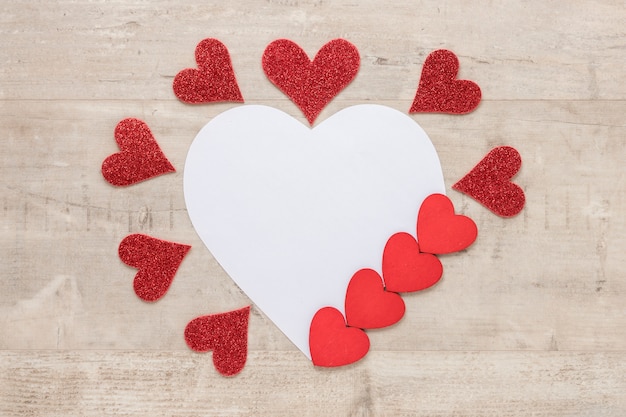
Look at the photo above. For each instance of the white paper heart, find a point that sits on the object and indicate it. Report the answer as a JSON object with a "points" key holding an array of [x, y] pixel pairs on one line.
{"points": [[291, 213]]}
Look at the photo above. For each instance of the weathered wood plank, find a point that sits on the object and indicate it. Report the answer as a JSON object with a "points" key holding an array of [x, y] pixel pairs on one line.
{"points": [[132, 50], [108, 383]]}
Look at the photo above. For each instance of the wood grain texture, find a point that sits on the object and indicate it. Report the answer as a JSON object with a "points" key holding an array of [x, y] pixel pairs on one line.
{"points": [[278, 383], [529, 321]]}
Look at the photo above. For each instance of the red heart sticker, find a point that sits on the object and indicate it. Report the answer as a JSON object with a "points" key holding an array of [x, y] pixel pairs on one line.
{"points": [[157, 261], [405, 269], [441, 231], [489, 182], [226, 334], [332, 343], [368, 305], [439, 91], [140, 156], [214, 80], [311, 85]]}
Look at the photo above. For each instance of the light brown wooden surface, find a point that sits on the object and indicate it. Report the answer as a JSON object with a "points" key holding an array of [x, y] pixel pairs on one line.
{"points": [[531, 320]]}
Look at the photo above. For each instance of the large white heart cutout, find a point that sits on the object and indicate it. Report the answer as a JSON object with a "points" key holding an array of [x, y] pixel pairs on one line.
{"points": [[291, 213]]}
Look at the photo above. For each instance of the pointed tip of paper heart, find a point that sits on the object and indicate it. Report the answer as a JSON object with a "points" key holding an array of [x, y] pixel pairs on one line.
{"points": [[213, 81], [489, 182], [226, 334], [332, 342], [140, 157], [439, 90]]}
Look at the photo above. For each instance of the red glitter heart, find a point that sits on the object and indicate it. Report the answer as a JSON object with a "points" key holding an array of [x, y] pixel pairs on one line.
{"points": [[405, 269], [439, 91], [368, 305], [140, 157], [332, 343], [311, 85], [157, 261], [214, 80], [489, 182], [441, 231], [226, 334]]}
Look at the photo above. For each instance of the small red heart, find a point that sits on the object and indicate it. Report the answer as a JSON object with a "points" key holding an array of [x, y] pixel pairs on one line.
{"points": [[489, 182], [439, 91], [368, 305], [214, 80], [157, 261], [226, 334], [332, 343], [140, 156], [311, 85], [441, 231], [405, 269]]}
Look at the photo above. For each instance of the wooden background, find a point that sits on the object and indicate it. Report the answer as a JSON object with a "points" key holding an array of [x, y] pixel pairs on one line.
{"points": [[531, 320]]}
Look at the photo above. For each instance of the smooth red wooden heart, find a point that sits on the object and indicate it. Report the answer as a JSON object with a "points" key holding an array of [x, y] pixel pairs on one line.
{"points": [[226, 334], [489, 182], [439, 91], [405, 269], [157, 261], [332, 343], [368, 305], [140, 156], [311, 85], [214, 80], [441, 231]]}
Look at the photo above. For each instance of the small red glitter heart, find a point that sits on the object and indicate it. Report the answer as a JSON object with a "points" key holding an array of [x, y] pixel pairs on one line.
{"points": [[214, 80], [226, 334], [405, 269], [439, 91], [332, 343], [368, 305], [441, 231], [311, 85], [489, 182], [157, 261], [140, 157]]}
